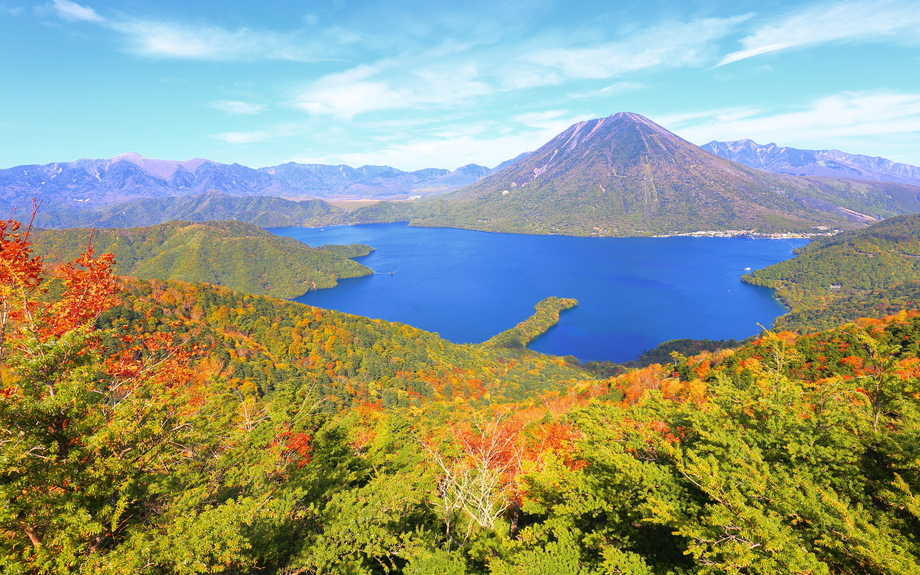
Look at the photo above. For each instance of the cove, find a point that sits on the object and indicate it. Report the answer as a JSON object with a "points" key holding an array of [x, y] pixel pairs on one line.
{"points": [[633, 293]]}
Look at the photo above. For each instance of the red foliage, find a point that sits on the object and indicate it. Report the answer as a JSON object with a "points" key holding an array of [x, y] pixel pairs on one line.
{"points": [[90, 289]]}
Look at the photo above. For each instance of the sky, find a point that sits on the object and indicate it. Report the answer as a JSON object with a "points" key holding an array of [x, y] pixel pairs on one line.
{"points": [[417, 84]]}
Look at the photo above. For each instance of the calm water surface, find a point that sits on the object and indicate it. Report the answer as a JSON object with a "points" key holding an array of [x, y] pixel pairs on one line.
{"points": [[633, 293]]}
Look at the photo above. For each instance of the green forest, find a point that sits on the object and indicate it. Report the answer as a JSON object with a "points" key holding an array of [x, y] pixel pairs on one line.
{"points": [[156, 426], [241, 256], [874, 271]]}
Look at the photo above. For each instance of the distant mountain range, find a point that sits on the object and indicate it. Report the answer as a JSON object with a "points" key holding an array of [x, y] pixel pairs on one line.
{"points": [[614, 176], [93, 183], [626, 175], [829, 163]]}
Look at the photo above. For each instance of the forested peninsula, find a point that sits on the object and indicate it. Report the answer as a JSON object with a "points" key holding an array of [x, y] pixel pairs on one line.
{"points": [[241, 256]]}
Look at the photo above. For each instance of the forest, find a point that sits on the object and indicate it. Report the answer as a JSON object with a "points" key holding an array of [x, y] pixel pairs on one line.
{"points": [[874, 271], [239, 255], [155, 426]]}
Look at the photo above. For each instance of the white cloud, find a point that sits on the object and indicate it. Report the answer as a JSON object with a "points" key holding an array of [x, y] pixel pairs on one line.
{"points": [[236, 107], [474, 143], [169, 40], [12, 11], [456, 74], [356, 91], [826, 122], [864, 20], [674, 44], [74, 12]]}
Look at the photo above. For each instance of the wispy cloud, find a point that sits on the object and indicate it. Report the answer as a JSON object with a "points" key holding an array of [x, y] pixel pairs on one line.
{"points": [[386, 86], [268, 132], [454, 74], [244, 137], [480, 143], [74, 12], [173, 40], [237, 107], [440, 152], [673, 44], [861, 21], [830, 119], [156, 39]]}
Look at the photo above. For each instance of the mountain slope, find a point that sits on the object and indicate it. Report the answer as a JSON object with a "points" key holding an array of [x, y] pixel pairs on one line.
{"points": [[827, 163], [871, 272], [263, 211], [240, 256], [625, 175]]}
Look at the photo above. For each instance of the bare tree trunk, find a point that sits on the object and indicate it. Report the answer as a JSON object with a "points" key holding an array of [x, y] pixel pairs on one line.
{"points": [[33, 537]]}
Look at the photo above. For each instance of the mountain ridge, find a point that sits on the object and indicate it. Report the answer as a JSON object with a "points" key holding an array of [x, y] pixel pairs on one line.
{"points": [[804, 162], [91, 183]]}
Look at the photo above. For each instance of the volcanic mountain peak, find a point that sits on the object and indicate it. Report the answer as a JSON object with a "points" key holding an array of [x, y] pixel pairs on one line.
{"points": [[615, 126], [625, 175], [616, 145]]}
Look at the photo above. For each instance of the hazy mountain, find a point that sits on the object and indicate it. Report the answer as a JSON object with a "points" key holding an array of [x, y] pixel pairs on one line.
{"points": [[625, 175], [87, 183], [92, 183], [832, 163]]}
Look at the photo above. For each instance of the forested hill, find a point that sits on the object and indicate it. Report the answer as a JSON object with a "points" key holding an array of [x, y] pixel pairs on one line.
{"points": [[241, 256], [861, 273], [263, 211], [164, 427]]}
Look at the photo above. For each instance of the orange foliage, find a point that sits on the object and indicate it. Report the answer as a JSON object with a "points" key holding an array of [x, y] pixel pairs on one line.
{"points": [[636, 383]]}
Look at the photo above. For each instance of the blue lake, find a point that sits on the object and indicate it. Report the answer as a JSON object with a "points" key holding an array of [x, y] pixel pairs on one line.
{"points": [[633, 293]]}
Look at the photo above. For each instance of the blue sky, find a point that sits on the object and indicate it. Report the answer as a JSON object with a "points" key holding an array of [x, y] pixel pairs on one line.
{"points": [[418, 84]]}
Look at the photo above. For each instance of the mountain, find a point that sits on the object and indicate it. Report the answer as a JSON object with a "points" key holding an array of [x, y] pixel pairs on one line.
{"points": [[263, 211], [344, 182], [830, 163], [626, 175], [90, 183], [870, 272], [241, 256]]}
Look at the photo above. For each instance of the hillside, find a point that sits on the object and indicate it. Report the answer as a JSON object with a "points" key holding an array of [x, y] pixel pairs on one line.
{"points": [[862, 273], [263, 211], [625, 175], [821, 163], [240, 256], [163, 427]]}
